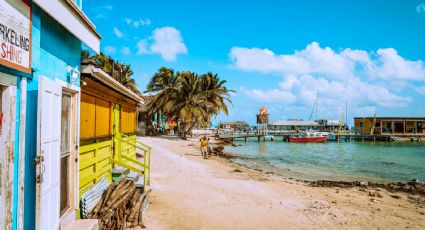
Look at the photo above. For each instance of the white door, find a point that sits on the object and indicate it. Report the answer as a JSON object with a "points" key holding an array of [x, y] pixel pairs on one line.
{"points": [[48, 153]]}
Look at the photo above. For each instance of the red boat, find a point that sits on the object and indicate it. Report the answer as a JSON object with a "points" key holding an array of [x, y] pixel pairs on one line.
{"points": [[308, 138]]}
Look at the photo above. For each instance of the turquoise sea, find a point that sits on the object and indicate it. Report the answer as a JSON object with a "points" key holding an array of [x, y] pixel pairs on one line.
{"points": [[381, 162]]}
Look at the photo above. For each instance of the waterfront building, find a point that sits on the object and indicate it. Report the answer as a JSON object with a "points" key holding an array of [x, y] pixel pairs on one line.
{"points": [[41, 44], [330, 125], [399, 126], [233, 125], [293, 125]]}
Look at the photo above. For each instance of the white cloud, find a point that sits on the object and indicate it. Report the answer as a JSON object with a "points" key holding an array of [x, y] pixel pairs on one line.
{"points": [[271, 95], [165, 41], [128, 20], [125, 51], [108, 6], [367, 80], [420, 8], [110, 50], [390, 65], [420, 89], [332, 93], [138, 23], [102, 11], [168, 42], [118, 33], [142, 46], [385, 63]]}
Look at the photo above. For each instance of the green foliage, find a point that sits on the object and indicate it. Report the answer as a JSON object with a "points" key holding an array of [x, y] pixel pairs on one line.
{"points": [[188, 98], [119, 71]]}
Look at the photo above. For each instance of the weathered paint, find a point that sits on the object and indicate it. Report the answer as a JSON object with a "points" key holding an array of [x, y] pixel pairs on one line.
{"points": [[53, 50], [7, 143], [16, 158], [21, 180]]}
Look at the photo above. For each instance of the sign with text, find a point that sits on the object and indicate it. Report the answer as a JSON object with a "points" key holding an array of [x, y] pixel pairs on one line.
{"points": [[15, 35]]}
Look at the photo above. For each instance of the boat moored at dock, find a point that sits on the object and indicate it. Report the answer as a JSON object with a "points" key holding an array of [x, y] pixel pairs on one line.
{"points": [[308, 137]]}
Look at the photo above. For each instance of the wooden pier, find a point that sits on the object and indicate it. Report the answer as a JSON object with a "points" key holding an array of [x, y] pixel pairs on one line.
{"points": [[273, 136], [284, 136]]}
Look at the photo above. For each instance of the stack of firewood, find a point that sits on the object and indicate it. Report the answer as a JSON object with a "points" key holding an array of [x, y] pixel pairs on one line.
{"points": [[120, 207]]}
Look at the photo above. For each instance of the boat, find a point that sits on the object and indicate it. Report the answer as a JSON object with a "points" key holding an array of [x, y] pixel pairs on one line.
{"points": [[336, 137], [308, 137]]}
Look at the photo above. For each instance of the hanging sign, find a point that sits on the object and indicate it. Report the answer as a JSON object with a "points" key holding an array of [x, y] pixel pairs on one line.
{"points": [[15, 35]]}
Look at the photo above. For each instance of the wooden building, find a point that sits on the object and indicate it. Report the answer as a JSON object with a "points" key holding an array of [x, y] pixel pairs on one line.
{"points": [[108, 125], [391, 125]]}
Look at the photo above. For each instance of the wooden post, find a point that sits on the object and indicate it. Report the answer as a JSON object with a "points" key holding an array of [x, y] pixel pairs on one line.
{"points": [[392, 127], [416, 127], [404, 127], [245, 139]]}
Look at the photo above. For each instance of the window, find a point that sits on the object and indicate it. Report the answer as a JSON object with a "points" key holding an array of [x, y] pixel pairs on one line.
{"points": [[361, 124], [65, 152]]}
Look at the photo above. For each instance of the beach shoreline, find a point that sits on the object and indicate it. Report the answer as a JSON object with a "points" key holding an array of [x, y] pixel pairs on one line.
{"points": [[189, 192]]}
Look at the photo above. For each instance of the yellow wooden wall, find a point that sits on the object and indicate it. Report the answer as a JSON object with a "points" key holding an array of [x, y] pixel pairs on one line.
{"points": [[95, 163], [95, 117], [367, 124], [98, 115]]}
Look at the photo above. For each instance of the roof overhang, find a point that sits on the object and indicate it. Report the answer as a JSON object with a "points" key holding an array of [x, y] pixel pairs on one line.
{"points": [[103, 77], [69, 15]]}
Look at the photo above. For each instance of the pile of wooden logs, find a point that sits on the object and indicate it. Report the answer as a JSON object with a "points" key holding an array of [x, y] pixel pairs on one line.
{"points": [[120, 207]]}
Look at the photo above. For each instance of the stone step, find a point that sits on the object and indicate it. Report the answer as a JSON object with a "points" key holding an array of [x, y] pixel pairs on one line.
{"points": [[83, 224], [140, 184], [133, 176], [119, 172]]}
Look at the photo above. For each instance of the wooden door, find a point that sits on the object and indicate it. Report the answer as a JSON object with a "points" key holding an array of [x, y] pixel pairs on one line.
{"points": [[48, 153]]}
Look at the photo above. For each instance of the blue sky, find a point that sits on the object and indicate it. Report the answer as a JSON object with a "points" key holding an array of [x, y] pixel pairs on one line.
{"points": [[279, 54]]}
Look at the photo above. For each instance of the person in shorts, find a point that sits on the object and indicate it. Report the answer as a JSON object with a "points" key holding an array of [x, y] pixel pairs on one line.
{"points": [[203, 146]]}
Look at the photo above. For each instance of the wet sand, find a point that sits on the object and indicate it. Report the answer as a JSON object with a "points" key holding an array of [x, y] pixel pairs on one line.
{"points": [[189, 192]]}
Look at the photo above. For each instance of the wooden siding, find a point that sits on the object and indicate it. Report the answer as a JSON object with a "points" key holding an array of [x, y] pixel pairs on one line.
{"points": [[87, 116], [95, 163], [103, 118], [104, 113], [128, 120]]}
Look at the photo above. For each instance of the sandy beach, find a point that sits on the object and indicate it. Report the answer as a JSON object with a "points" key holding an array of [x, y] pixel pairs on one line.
{"points": [[189, 192]]}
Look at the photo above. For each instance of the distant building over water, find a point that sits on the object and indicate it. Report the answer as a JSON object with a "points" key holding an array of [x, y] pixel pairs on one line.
{"points": [[233, 125], [293, 124], [391, 125]]}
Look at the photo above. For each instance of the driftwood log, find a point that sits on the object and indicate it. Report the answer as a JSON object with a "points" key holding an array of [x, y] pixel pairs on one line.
{"points": [[120, 207]]}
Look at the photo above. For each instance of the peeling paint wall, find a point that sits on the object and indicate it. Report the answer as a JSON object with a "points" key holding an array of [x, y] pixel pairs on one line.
{"points": [[7, 142], [22, 126]]}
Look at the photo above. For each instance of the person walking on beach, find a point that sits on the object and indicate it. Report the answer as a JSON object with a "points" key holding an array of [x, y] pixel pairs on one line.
{"points": [[203, 145], [209, 147]]}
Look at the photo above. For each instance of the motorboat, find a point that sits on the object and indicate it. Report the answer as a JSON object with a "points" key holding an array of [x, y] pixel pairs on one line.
{"points": [[308, 137]]}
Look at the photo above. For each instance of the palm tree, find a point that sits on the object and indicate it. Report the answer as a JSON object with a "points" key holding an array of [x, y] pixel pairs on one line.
{"points": [[119, 71], [165, 77], [188, 98]]}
